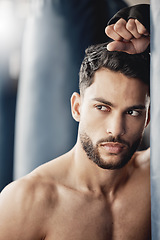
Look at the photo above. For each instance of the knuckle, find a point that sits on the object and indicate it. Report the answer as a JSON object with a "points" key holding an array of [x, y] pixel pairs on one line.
{"points": [[119, 25], [130, 25], [142, 31], [109, 30]]}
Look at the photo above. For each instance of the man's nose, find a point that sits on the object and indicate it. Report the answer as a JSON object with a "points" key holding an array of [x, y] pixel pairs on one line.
{"points": [[116, 126]]}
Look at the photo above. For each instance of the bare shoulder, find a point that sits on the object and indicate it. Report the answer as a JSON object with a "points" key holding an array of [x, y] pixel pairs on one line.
{"points": [[142, 158], [33, 188], [141, 166], [26, 205], [27, 202]]}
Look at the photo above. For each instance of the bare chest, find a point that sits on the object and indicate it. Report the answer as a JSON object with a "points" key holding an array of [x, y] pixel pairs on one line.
{"points": [[94, 219]]}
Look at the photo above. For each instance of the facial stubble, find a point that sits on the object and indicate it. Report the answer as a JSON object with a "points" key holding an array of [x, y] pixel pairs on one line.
{"points": [[94, 155]]}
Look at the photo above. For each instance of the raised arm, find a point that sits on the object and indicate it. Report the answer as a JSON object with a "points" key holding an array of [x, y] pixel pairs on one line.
{"points": [[130, 29]]}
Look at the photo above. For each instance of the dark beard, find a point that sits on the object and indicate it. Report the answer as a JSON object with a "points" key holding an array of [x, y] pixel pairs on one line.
{"points": [[93, 153]]}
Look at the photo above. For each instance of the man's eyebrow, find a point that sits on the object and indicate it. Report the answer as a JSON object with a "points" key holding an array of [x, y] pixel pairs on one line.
{"points": [[140, 106], [102, 100]]}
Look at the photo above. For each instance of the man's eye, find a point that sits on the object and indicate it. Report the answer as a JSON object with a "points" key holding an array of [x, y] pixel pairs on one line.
{"points": [[102, 108], [133, 113]]}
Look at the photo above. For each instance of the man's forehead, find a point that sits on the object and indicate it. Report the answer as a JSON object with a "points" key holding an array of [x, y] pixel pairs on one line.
{"points": [[114, 85], [106, 79]]}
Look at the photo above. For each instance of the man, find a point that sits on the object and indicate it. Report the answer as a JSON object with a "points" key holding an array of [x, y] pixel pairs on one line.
{"points": [[100, 190]]}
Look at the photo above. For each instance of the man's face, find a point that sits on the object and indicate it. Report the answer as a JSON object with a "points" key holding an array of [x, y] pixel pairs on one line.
{"points": [[113, 115]]}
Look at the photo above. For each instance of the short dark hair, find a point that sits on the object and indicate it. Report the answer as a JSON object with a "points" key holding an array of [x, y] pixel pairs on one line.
{"points": [[97, 56]]}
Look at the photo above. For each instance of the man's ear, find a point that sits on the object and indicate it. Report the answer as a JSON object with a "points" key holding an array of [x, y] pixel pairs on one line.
{"points": [[75, 106], [148, 118]]}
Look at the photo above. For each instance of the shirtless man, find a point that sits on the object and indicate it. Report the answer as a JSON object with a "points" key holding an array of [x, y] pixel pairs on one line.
{"points": [[100, 190]]}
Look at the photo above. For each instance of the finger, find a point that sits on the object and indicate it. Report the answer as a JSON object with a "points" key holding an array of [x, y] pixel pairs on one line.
{"points": [[132, 28], [121, 46], [120, 28], [115, 46], [109, 30], [141, 29]]}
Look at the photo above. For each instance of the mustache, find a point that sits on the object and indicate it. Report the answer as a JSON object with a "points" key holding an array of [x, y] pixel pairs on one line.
{"points": [[112, 139]]}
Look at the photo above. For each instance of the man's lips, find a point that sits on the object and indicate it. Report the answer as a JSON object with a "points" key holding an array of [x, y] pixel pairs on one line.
{"points": [[112, 147]]}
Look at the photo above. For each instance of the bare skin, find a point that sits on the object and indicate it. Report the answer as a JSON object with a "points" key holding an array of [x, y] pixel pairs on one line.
{"points": [[73, 198], [131, 36]]}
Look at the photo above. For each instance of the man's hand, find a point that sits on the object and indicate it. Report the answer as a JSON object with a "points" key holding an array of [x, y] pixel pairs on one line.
{"points": [[131, 36]]}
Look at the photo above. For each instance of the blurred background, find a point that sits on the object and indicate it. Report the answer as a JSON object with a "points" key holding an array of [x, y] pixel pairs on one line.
{"points": [[42, 44]]}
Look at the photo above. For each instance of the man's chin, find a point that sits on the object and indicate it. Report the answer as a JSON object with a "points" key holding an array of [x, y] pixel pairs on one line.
{"points": [[111, 165], [112, 161]]}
